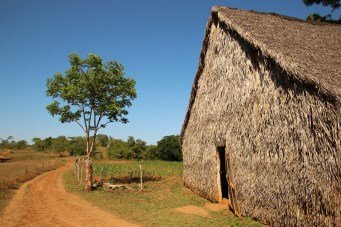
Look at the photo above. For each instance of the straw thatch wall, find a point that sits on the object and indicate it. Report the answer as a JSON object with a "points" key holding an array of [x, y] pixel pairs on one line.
{"points": [[282, 133]]}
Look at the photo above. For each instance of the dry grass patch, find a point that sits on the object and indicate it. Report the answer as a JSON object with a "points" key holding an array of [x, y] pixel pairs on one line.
{"points": [[22, 166]]}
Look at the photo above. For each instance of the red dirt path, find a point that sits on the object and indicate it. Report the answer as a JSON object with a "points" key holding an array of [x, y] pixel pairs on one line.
{"points": [[43, 201]]}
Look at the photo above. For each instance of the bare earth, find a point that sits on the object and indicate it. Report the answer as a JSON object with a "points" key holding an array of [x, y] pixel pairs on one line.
{"points": [[201, 211], [193, 210], [43, 201]]}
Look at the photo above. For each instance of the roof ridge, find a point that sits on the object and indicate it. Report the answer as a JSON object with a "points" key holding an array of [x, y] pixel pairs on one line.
{"points": [[289, 64], [282, 16]]}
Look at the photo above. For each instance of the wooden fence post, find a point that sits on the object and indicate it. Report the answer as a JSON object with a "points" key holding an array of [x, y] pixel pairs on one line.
{"points": [[78, 170], [81, 165], [141, 174]]}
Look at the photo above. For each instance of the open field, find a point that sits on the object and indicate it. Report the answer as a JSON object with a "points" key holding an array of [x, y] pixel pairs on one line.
{"points": [[21, 166], [163, 201]]}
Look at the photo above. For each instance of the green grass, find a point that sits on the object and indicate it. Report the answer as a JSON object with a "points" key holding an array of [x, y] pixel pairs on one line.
{"points": [[131, 169], [155, 205], [22, 166]]}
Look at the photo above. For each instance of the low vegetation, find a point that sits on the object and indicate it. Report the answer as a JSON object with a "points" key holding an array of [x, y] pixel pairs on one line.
{"points": [[19, 166], [72, 145], [10, 143], [163, 201], [167, 149]]}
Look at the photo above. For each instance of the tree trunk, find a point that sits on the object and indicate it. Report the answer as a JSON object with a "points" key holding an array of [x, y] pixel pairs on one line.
{"points": [[88, 174]]}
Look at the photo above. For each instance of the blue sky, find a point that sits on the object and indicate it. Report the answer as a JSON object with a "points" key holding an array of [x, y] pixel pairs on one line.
{"points": [[157, 41]]}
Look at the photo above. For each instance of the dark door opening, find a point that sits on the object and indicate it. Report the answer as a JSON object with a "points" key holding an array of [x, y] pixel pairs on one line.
{"points": [[228, 190], [223, 173]]}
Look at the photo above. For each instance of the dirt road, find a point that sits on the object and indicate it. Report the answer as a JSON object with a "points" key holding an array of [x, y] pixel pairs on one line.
{"points": [[43, 201]]}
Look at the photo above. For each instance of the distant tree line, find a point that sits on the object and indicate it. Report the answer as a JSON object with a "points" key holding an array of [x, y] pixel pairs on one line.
{"points": [[168, 148], [10, 143], [73, 145]]}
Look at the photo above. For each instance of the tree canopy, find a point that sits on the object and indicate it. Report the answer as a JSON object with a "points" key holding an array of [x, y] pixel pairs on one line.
{"points": [[102, 140], [335, 4], [92, 90], [168, 148], [73, 145], [10, 143]]}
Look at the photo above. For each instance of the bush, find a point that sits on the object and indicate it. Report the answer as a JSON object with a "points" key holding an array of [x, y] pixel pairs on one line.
{"points": [[102, 140], [60, 144], [168, 148], [150, 153], [77, 146], [118, 149], [73, 145], [131, 149], [9, 143], [42, 145]]}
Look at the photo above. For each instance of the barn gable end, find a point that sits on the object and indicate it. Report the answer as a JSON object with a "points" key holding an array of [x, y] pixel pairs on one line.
{"points": [[280, 125]]}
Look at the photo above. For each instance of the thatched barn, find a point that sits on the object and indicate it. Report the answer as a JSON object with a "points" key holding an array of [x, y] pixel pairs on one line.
{"points": [[262, 127]]}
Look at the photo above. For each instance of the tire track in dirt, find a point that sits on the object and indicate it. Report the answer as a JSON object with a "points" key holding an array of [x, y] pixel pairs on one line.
{"points": [[43, 201]]}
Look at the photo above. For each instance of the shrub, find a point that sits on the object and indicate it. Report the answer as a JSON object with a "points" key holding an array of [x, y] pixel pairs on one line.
{"points": [[168, 148]]}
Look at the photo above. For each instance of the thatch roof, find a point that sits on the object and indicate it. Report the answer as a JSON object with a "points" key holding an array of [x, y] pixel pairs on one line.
{"points": [[309, 52]]}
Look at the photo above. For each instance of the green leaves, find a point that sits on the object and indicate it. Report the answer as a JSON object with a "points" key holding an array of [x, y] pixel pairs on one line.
{"points": [[334, 4], [168, 148], [65, 113], [91, 91]]}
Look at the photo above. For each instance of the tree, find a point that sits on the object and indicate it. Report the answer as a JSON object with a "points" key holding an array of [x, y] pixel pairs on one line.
{"points": [[102, 140], [37, 143], [42, 145], [92, 94], [130, 149], [168, 148], [77, 145], [150, 153], [138, 148], [10, 143], [47, 143], [131, 141], [6, 142], [334, 4], [118, 149], [21, 144], [60, 144]]}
